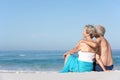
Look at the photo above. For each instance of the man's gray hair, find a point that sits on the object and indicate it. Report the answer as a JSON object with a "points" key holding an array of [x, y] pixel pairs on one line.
{"points": [[100, 30]]}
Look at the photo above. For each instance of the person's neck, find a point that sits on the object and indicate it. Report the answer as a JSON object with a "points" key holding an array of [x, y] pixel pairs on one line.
{"points": [[100, 37]]}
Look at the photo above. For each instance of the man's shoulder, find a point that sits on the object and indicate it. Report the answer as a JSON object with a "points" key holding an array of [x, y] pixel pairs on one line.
{"points": [[104, 40]]}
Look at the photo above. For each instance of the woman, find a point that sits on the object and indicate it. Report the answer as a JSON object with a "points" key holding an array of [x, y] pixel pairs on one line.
{"points": [[86, 53]]}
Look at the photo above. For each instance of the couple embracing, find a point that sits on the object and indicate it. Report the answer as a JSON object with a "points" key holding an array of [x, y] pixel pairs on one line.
{"points": [[93, 55]]}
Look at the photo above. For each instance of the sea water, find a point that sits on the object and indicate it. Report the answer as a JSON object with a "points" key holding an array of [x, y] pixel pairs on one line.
{"points": [[35, 60]]}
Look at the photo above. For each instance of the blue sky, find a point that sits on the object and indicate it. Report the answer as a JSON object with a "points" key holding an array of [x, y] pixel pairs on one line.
{"points": [[55, 24]]}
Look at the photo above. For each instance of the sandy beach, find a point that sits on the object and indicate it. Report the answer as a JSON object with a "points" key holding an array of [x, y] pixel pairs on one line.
{"points": [[113, 75]]}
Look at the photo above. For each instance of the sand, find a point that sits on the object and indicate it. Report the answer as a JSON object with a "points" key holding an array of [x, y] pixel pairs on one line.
{"points": [[113, 75]]}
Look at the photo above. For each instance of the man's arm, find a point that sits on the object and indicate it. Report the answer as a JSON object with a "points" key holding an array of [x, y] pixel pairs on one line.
{"points": [[99, 60]]}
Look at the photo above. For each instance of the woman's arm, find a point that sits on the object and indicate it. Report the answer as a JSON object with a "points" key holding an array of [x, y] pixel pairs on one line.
{"points": [[91, 43], [73, 50]]}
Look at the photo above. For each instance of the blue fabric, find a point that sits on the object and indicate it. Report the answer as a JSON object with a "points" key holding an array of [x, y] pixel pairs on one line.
{"points": [[98, 68], [75, 65]]}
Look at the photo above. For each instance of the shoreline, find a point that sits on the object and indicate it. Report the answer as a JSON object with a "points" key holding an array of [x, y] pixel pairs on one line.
{"points": [[53, 75]]}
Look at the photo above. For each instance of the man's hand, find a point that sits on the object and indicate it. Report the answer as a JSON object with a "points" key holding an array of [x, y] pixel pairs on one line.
{"points": [[108, 70]]}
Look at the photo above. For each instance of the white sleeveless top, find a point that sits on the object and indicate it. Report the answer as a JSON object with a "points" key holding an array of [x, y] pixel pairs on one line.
{"points": [[86, 56]]}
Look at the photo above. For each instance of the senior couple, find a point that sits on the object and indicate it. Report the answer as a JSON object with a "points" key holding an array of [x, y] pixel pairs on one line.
{"points": [[93, 54]]}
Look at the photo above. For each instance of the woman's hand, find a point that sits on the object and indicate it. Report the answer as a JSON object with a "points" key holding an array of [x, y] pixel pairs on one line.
{"points": [[65, 55]]}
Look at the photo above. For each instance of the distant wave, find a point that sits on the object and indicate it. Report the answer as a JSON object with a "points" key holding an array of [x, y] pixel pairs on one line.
{"points": [[22, 55]]}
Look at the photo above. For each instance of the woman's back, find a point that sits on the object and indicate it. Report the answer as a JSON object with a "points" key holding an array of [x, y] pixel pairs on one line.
{"points": [[86, 56], [86, 48]]}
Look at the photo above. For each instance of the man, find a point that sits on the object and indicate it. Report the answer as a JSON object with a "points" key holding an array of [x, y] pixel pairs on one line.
{"points": [[104, 53]]}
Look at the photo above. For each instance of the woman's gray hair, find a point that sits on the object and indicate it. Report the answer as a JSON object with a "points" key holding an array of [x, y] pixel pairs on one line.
{"points": [[100, 30], [90, 29]]}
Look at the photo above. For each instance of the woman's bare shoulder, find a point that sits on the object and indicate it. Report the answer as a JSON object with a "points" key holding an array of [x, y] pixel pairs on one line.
{"points": [[80, 42]]}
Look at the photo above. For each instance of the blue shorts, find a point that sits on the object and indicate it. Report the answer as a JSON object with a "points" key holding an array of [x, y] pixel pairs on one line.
{"points": [[98, 68]]}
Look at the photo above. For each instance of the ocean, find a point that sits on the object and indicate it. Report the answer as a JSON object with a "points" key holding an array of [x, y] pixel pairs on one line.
{"points": [[35, 60]]}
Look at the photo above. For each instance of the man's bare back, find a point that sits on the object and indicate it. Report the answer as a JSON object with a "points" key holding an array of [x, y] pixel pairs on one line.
{"points": [[105, 51]]}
